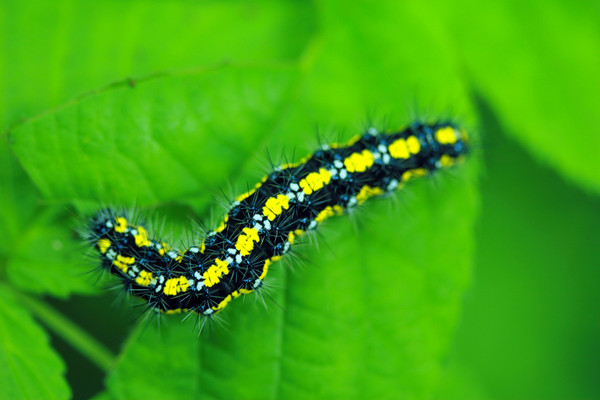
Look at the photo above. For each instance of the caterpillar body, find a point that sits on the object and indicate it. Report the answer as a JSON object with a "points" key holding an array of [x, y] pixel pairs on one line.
{"points": [[263, 223]]}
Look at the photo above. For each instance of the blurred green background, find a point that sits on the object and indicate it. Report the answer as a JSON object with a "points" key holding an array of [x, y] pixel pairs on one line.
{"points": [[481, 284]]}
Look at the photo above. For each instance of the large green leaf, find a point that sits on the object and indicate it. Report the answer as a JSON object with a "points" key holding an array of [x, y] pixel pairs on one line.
{"points": [[372, 312], [531, 324], [89, 44], [30, 367], [160, 140], [537, 64], [45, 64], [394, 282]]}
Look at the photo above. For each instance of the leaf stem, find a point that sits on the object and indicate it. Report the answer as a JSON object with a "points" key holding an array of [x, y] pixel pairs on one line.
{"points": [[81, 341]]}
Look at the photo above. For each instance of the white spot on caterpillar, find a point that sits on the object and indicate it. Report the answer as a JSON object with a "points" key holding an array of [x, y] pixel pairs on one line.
{"points": [[172, 254], [111, 254], [392, 185]]}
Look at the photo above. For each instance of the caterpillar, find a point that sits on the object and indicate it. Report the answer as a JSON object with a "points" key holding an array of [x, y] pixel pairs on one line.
{"points": [[263, 223]]}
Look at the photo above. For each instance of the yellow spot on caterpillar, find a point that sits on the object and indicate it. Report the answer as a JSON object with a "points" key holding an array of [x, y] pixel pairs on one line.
{"points": [[413, 173], [446, 135], [121, 225], [265, 269], [144, 278], [103, 245], [353, 140], [315, 181], [275, 205], [446, 160], [413, 145], [141, 239], [175, 311], [359, 162], [295, 234], [350, 142], [164, 247], [176, 285], [293, 165], [399, 149], [123, 263], [245, 242], [221, 227], [240, 292], [244, 196], [266, 266], [214, 272], [222, 304], [329, 211], [367, 192]]}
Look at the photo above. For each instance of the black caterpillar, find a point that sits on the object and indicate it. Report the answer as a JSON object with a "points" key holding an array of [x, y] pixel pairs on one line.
{"points": [[263, 223]]}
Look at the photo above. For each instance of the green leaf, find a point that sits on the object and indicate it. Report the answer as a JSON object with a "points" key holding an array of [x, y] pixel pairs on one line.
{"points": [[37, 250], [49, 259], [530, 323], [94, 43], [30, 368], [372, 311], [18, 201], [107, 146], [137, 40], [393, 283], [537, 63]]}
